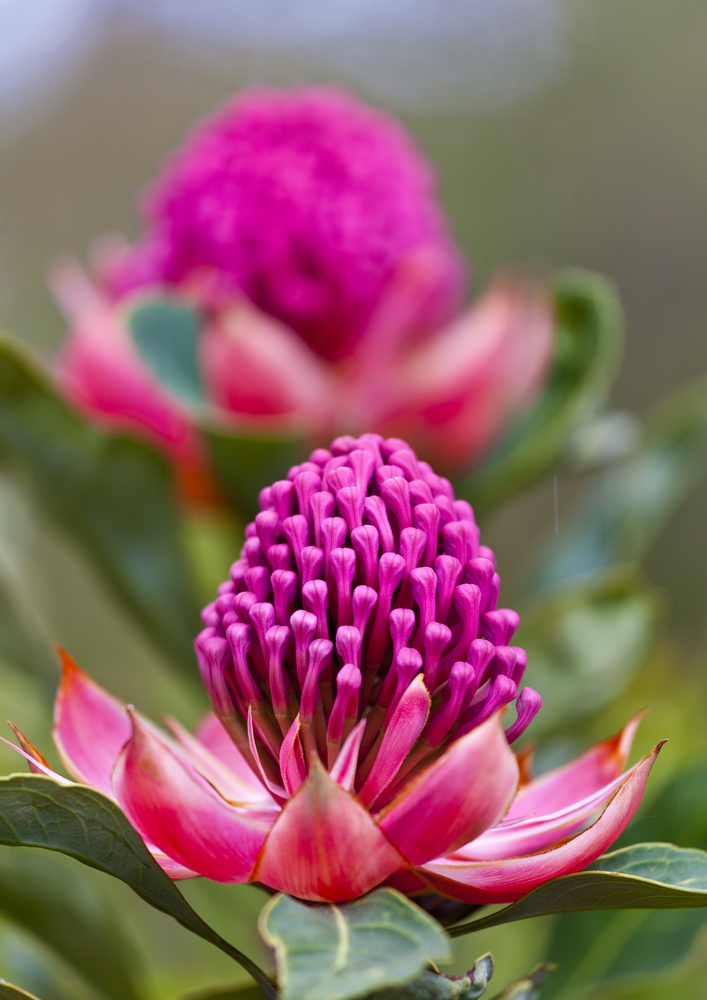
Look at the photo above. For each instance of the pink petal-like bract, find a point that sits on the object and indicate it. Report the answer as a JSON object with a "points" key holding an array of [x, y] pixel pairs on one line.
{"points": [[453, 393], [458, 797], [211, 733], [325, 845], [359, 671], [90, 727], [259, 372], [101, 373], [565, 785], [506, 880], [179, 811]]}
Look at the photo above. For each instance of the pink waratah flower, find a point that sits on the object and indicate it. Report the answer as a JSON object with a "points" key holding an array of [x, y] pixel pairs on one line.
{"points": [[303, 226], [359, 670]]}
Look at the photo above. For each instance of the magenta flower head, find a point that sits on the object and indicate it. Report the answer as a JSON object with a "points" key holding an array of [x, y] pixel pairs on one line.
{"points": [[302, 226], [305, 201], [359, 671]]}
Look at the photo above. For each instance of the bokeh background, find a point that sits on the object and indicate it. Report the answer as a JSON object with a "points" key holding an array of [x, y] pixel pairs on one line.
{"points": [[564, 132]]}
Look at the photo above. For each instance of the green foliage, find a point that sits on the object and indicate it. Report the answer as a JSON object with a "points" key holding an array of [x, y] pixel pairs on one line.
{"points": [[78, 821], [588, 347], [677, 815], [113, 494], [526, 988], [593, 949], [596, 950], [20, 646], [69, 917], [645, 876], [435, 986], [352, 949], [10, 992], [165, 333], [585, 642], [242, 993], [632, 501], [245, 464]]}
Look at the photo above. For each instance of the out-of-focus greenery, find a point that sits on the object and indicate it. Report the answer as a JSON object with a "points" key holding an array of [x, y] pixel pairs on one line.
{"points": [[112, 494], [587, 351]]}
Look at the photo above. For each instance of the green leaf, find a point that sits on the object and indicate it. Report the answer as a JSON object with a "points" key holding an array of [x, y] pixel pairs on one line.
{"points": [[350, 950], [236, 993], [10, 992], [113, 494], [435, 986], [68, 916], [20, 644], [622, 948], [645, 876], [526, 988], [588, 348], [36, 811], [165, 333], [626, 510], [585, 643], [629, 948], [246, 464]]}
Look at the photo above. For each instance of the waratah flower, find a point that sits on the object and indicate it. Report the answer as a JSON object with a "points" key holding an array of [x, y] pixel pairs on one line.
{"points": [[359, 670], [303, 227]]}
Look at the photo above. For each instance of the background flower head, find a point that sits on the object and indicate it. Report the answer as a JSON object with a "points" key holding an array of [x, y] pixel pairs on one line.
{"points": [[305, 201], [302, 228]]}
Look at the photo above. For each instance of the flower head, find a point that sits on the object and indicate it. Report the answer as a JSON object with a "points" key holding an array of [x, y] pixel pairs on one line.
{"points": [[305, 201], [302, 228], [364, 606], [359, 670]]}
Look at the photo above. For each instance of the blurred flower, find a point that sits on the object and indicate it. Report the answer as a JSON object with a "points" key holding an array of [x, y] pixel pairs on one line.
{"points": [[361, 668], [302, 226]]}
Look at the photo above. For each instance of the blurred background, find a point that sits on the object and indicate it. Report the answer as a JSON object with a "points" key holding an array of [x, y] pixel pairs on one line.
{"points": [[564, 132]]}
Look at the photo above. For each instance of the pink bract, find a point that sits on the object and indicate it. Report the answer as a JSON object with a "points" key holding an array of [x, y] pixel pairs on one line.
{"points": [[359, 670], [302, 225]]}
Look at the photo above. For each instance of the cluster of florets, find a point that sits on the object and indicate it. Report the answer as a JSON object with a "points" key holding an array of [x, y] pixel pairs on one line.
{"points": [[305, 201], [362, 605]]}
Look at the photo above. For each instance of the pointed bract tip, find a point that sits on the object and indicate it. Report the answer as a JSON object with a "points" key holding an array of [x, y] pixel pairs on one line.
{"points": [[69, 666], [26, 745]]}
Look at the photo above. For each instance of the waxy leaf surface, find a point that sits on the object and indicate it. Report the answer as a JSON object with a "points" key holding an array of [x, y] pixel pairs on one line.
{"points": [[76, 820], [645, 876], [332, 952], [435, 986], [111, 493]]}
